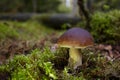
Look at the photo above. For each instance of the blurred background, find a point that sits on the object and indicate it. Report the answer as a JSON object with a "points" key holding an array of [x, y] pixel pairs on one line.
{"points": [[55, 12], [22, 17], [54, 6], [93, 15]]}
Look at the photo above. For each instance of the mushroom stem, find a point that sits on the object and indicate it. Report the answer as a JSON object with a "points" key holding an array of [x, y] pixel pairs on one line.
{"points": [[75, 58]]}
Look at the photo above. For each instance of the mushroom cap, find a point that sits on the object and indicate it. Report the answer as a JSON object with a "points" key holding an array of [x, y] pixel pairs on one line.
{"points": [[75, 37]]}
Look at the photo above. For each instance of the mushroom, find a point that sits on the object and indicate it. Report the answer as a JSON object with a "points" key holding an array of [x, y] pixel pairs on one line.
{"points": [[75, 38]]}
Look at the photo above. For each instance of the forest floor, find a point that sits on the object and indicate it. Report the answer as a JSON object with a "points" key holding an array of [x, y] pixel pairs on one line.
{"points": [[30, 36]]}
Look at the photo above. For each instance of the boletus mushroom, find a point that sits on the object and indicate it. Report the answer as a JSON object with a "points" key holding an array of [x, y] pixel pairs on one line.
{"points": [[75, 39]]}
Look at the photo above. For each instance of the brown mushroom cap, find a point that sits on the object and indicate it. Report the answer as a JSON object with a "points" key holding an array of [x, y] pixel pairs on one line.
{"points": [[75, 37]]}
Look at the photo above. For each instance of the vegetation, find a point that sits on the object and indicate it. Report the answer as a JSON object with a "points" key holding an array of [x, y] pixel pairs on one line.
{"points": [[105, 27], [36, 63], [42, 66], [27, 50], [4, 30], [106, 5], [29, 6], [22, 30]]}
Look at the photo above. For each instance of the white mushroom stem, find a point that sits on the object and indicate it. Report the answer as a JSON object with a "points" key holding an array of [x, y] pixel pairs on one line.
{"points": [[75, 58]]}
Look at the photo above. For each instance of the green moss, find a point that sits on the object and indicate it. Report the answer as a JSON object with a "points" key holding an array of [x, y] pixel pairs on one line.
{"points": [[105, 26], [44, 65], [7, 31], [23, 30], [34, 66]]}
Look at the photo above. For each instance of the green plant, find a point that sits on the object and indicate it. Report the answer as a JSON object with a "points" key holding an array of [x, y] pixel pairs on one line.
{"points": [[30, 6], [23, 30], [105, 26], [34, 66], [7, 31], [113, 70], [45, 65], [67, 76], [4, 72]]}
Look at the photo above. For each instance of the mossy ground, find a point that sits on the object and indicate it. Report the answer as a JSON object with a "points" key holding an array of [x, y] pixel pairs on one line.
{"points": [[25, 51]]}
